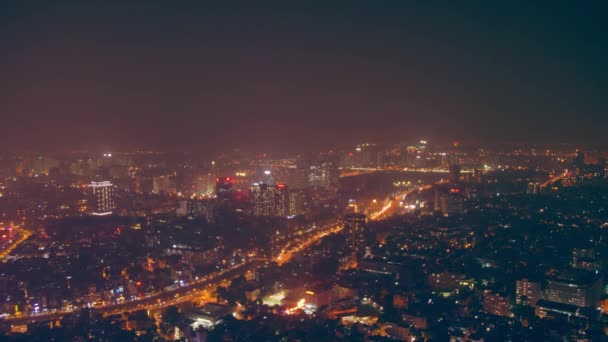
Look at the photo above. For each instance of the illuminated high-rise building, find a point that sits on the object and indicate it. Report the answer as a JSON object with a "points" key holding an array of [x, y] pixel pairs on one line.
{"points": [[282, 204], [223, 188], [527, 292], [270, 200], [324, 174], [583, 289], [354, 228], [496, 304], [295, 202], [103, 193]]}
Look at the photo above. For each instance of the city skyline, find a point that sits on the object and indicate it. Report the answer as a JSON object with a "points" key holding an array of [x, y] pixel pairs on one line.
{"points": [[360, 171]]}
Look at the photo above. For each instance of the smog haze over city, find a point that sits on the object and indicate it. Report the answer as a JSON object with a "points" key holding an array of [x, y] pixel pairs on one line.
{"points": [[293, 171], [189, 76]]}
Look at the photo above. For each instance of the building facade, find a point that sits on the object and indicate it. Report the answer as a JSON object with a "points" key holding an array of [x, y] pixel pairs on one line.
{"points": [[103, 194]]}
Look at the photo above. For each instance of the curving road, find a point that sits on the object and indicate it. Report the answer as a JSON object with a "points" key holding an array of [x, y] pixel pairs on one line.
{"points": [[155, 301], [192, 290]]}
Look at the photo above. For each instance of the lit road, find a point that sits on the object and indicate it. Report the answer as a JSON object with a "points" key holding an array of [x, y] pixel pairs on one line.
{"points": [[392, 204], [194, 291], [554, 179], [309, 240], [25, 234], [156, 301], [356, 171], [379, 213]]}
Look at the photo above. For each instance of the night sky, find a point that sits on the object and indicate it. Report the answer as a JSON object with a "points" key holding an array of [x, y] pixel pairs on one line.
{"points": [[135, 75]]}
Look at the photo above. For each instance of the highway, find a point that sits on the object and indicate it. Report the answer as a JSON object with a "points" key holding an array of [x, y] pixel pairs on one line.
{"points": [[357, 171], [554, 179], [311, 239], [392, 204], [156, 301], [191, 291]]}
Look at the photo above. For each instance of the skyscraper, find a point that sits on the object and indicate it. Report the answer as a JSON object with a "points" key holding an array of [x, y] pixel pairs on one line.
{"points": [[270, 200], [354, 228], [282, 200], [295, 202], [103, 193], [324, 174]]}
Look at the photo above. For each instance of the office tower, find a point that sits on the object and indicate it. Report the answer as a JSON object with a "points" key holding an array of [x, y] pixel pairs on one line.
{"points": [[324, 174], [223, 188], [296, 204], [103, 193], [582, 289], [270, 200], [281, 207], [261, 199], [355, 229], [527, 292]]}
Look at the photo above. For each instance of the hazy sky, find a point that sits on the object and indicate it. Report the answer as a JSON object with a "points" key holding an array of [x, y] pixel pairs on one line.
{"points": [[185, 76]]}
